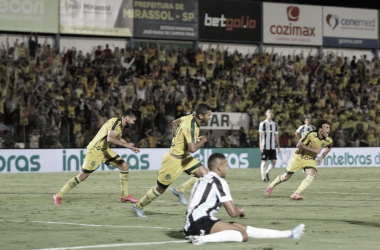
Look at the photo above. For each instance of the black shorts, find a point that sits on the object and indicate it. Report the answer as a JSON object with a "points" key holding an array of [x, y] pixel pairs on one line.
{"points": [[269, 154], [201, 226]]}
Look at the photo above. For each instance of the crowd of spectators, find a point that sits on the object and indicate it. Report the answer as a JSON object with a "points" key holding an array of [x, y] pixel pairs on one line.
{"points": [[53, 99]]}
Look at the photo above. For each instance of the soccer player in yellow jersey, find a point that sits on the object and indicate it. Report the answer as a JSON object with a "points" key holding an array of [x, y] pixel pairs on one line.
{"points": [[309, 147], [178, 159], [98, 151]]}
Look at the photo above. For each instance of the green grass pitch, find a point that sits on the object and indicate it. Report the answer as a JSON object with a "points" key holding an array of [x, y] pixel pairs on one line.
{"points": [[340, 211]]}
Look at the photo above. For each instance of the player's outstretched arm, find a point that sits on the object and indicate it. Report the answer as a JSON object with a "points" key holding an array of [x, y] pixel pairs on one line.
{"points": [[195, 146], [133, 148], [111, 138], [302, 146], [319, 161], [232, 210]]}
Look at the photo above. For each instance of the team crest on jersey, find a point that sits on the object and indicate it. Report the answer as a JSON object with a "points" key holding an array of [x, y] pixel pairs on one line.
{"points": [[92, 163], [323, 145], [168, 177]]}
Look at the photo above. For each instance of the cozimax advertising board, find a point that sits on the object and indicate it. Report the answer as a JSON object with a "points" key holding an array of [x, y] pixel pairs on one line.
{"points": [[292, 24], [29, 15], [96, 17], [230, 21], [345, 27], [170, 19]]}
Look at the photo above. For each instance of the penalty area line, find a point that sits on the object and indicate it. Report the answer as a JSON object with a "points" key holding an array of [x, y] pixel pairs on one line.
{"points": [[86, 225], [116, 245]]}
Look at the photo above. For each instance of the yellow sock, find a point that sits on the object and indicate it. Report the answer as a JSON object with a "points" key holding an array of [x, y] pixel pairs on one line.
{"points": [[124, 175], [68, 186], [187, 185], [276, 181], [150, 196], [305, 183]]}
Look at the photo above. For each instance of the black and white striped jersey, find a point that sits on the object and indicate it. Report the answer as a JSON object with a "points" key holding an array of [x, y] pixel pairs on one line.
{"points": [[304, 129], [206, 197], [269, 131]]}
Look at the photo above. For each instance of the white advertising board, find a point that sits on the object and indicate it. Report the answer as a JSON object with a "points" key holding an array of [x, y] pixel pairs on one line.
{"points": [[71, 160], [292, 24], [96, 17], [346, 27]]}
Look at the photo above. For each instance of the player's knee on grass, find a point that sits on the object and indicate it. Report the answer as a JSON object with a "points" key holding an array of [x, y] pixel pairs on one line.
{"points": [[236, 226], [240, 225], [244, 233], [245, 236]]}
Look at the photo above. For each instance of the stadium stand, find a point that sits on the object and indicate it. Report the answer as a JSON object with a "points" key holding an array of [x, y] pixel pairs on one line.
{"points": [[52, 99]]}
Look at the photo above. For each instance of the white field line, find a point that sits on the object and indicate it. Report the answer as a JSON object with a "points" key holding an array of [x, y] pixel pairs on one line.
{"points": [[279, 190], [116, 245], [53, 185], [86, 225], [341, 193]]}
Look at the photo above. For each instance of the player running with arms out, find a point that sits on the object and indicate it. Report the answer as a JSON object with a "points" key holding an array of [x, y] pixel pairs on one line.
{"points": [[206, 198], [308, 148], [269, 141], [304, 129], [178, 159], [98, 151]]}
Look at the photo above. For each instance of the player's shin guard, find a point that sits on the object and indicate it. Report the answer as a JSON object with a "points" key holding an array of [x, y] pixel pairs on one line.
{"points": [[276, 181], [263, 168], [187, 185], [68, 186], [305, 183], [262, 233], [223, 236], [150, 196], [124, 175]]}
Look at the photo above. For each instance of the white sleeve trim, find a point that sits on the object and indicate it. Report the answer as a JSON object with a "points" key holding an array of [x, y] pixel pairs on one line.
{"points": [[225, 198]]}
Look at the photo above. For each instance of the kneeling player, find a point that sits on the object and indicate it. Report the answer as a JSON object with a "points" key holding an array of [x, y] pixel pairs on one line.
{"points": [[208, 192], [308, 148]]}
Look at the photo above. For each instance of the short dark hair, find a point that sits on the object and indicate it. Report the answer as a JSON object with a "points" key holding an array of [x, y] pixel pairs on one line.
{"points": [[202, 109], [213, 159], [129, 112], [320, 123]]}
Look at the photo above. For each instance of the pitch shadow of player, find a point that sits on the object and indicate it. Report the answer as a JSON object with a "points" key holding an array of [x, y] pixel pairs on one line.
{"points": [[177, 234]]}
